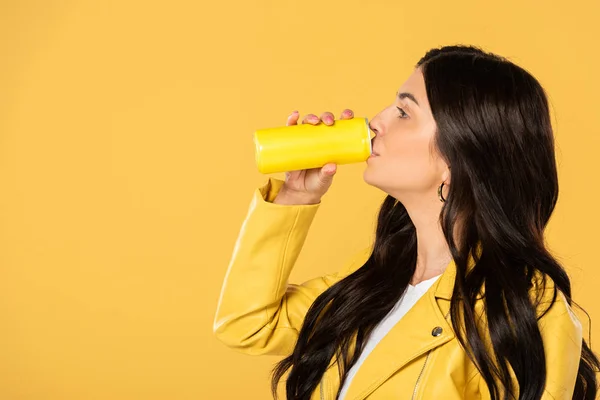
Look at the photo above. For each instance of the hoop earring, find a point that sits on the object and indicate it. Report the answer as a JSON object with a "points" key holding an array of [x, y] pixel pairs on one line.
{"points": [[442, 199]]}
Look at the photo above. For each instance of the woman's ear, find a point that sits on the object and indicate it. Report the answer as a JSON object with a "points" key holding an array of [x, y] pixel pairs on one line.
{"points": [[446, 176]]}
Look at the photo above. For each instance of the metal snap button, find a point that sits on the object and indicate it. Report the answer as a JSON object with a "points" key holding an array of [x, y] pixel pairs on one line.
{"points": [[437, 331]]}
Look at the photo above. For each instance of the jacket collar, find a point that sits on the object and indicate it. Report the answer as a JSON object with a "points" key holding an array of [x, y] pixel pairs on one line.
{"points": [[411, 337], [444, 287]]}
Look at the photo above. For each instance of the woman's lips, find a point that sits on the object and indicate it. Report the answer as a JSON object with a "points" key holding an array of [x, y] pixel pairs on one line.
{"points": [[373, 152]]}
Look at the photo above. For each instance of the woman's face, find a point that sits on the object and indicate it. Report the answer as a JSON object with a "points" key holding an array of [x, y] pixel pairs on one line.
{"points": [[405, 164]]}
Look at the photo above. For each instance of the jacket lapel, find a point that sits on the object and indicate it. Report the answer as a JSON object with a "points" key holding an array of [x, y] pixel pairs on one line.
{"points": [[410, 338]]}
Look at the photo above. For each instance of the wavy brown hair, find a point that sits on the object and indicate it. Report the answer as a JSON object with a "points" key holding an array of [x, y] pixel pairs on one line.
{"points": [[494, 129]]}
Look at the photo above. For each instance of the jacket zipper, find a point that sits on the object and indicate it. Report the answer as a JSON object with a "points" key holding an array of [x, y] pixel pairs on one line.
{"points": [[423, 369], [322, 389], [419, 377]]}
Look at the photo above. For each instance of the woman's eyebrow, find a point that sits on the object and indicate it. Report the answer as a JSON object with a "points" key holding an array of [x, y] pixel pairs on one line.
{"points": [[405, 95]]}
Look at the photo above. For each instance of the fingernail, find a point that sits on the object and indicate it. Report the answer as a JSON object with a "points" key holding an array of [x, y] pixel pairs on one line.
{"points": [[329, 120]]}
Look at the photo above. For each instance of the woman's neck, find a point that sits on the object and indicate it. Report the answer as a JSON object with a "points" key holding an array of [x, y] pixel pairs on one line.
{"points": [[433, 253]]}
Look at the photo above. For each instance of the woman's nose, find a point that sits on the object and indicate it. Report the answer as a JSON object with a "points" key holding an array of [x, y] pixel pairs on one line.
{"points": [[373, 128]]}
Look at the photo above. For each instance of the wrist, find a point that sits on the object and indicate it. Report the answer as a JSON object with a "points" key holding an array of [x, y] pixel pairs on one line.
{"points": [[287, 197]]}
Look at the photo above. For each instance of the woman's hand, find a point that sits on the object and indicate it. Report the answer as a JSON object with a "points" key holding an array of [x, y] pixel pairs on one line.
{"points": [[309, 185]]}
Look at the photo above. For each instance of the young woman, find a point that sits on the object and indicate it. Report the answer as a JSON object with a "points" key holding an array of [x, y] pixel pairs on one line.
{"points": [[458, 297]]}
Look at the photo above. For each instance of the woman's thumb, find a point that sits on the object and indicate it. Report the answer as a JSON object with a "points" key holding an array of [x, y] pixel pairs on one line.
{"points": [[327, 172]]}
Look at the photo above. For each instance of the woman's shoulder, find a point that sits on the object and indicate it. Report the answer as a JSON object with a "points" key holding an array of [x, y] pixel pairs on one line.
{"points": [[551, 302], [552, 306]]}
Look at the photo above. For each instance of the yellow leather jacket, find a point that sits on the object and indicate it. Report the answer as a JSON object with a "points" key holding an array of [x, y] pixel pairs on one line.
{"points": [[259, 312]]}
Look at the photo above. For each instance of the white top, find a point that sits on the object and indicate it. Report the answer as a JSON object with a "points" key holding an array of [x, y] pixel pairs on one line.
{"points": [[408, 299]]}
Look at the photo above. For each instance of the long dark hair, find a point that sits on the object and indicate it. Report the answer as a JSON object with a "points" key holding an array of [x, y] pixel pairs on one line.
{"points": [[494, 130]]}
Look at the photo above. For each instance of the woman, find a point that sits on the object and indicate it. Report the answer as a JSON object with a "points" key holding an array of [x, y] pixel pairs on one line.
{"points": [[458, 297]]}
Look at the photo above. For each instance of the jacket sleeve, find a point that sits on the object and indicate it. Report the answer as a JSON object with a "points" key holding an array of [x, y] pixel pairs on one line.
{"points": [[258, 311], [561, 333]]}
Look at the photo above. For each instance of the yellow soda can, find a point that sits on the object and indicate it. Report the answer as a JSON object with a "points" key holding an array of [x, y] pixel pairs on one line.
{"points": [[304, 146]]}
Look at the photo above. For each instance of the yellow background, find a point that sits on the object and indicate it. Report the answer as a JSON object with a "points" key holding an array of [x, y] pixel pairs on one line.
{"points": [[126, 167]]}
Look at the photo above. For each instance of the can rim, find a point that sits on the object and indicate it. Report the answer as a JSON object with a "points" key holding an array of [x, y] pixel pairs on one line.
{"points": [[257, 152], [369, 136]]}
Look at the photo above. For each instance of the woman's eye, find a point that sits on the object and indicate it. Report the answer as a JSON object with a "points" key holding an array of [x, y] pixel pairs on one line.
{"points": [[402, 113]]}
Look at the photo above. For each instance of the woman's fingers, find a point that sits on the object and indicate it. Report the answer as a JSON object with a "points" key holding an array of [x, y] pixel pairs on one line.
{"points": [[293, 118], [347, 114], [328, 118], [311, 119]]}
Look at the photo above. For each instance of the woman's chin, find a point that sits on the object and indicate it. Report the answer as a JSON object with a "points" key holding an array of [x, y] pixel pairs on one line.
{"points": [[368, 176]]}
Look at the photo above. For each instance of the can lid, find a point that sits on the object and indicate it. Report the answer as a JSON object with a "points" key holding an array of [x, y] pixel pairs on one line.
{"points": [[257, 150]]}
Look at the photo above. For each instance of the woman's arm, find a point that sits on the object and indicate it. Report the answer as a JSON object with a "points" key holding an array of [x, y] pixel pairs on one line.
{"points": [[258, 311]]}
